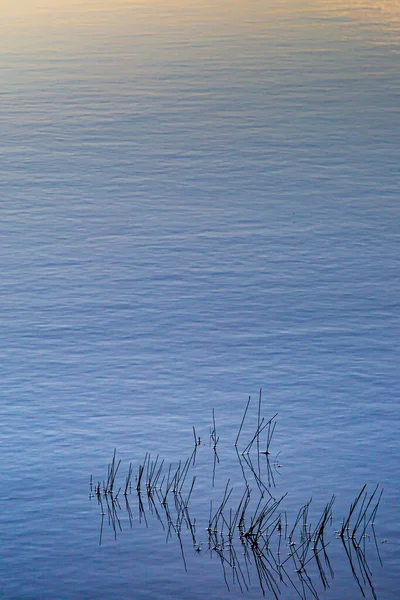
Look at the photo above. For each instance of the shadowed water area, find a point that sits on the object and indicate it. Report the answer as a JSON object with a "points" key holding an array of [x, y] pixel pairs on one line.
{"points": [[199, 200]]}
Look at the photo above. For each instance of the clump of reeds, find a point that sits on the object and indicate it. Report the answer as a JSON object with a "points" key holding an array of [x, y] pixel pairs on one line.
{"points": [[362, 512], [255, 523]]}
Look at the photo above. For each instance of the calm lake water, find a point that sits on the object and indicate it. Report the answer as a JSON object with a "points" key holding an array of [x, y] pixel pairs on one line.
{"points": [[199, 199]]}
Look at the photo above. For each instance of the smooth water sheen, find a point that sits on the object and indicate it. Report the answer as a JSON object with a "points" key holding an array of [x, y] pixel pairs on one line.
{"points": [[199, 199]]}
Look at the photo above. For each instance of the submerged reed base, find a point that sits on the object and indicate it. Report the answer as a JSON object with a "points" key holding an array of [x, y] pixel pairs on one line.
{"points": [[247, 529]]}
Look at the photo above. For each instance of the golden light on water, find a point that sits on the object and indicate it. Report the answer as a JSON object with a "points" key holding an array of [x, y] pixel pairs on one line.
{"points": [[23, 22], [373, 12], [385, 10], [366, 12], [80, 21]]}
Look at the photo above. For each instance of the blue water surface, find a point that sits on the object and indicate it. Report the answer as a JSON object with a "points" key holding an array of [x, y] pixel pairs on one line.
{"points": [[199, 200]]}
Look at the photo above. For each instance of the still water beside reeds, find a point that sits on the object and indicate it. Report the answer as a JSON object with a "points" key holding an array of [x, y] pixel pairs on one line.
{"points": [[199, 200]]}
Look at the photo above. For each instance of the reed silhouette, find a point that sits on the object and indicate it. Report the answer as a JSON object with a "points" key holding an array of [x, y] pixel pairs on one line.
{"points": [[249, 532]]}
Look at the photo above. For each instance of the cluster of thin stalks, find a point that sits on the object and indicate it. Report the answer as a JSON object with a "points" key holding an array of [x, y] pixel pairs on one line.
{"points": [[248, 532], [357, 528]]}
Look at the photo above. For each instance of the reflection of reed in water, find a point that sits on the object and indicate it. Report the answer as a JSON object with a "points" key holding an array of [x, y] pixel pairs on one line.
{"points": [[250, 536]]}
